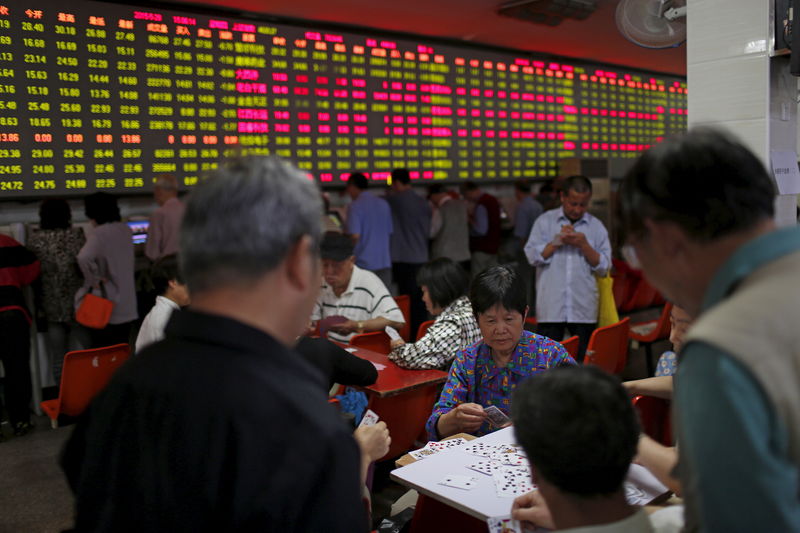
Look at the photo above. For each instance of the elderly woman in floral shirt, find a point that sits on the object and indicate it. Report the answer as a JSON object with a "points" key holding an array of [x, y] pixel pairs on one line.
{"points": [[487, 372]]}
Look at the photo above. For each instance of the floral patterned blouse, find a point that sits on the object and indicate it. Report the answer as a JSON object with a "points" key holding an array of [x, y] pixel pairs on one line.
{"points": [[474, 377], [57, 250]]}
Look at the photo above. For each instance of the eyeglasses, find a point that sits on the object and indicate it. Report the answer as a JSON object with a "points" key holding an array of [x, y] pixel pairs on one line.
{"points": [[629, 254]]}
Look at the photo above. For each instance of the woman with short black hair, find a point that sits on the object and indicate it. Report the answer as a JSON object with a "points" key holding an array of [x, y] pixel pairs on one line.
{"points": [[106, 261], [56, 243], [444, 285], [486, 373]]}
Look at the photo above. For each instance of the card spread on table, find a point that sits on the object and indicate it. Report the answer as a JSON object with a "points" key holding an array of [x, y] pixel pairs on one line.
{"points": [[510, 482], [510, 459], [433, 447], [503, 524], [480, 448], [459, 482], [496, 417], [369, 418], [485, 467], [422, 453]]}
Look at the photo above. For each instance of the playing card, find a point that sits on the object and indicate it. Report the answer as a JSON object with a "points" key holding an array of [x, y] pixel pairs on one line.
{"points": [[459, 482], [496, 417], [510, 459], [503, 524], [369, 418], [393, 334], [510, 482], [422, 453], [446, 444], [485, 467], [480, 448]]}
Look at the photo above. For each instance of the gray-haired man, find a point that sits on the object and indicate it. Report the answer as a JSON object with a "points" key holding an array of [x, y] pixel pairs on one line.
{"points": [[221, 427], [165, 222]]}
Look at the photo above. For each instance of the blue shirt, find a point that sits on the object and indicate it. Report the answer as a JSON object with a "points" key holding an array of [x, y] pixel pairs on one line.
{"points": [[411, 220], [528, 210], [731, 439], [566, 289], [480, 222], [474, 377], [370, 218]]}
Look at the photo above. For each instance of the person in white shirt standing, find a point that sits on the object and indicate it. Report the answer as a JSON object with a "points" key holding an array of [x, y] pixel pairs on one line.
{"points": [[172, 295], [165, 222]]}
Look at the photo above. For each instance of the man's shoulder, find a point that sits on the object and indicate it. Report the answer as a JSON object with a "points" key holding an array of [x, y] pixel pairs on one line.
{"points": [[367, 281]]}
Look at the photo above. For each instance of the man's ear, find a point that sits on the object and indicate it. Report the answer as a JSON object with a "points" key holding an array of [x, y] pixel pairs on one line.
{"points": [[667, 238], [301, 264]]}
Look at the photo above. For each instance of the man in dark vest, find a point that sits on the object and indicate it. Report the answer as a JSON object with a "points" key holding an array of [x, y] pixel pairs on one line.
{"points": [[484, 227]]}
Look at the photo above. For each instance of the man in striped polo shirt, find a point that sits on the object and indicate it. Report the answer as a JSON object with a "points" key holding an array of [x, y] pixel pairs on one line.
{"points": [[348, 291]]}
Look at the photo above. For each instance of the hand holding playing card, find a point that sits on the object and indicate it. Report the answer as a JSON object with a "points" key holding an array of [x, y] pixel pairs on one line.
{"points": [[532, 511], [497, 417], [345, 328], [468, 417], [373, 441]]}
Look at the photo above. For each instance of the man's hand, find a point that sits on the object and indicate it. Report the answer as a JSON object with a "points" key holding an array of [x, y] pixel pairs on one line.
{"points": [[531, 510], [373, 441], [574, 238]]}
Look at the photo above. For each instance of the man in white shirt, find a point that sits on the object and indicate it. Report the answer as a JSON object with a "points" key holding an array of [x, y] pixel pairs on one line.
{"points": [[348, 291], [173, 294]]}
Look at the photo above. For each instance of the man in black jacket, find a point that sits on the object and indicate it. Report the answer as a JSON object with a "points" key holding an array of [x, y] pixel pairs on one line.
{"points": [[220, 426]]}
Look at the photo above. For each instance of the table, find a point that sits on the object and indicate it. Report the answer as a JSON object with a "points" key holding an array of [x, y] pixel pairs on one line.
{"points": [[482, 502], [402, 398]]}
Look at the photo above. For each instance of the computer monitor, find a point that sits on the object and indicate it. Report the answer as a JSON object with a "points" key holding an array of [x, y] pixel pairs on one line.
{"points": [[139, 229]]}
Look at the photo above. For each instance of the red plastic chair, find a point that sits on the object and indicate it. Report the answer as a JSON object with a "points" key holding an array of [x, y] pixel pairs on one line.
{"points": [[608, 347], [530, 323], [571, 346], [85, 373], [423, 328], [647, 333], [377, 341], [404, 303], [654, 415]]}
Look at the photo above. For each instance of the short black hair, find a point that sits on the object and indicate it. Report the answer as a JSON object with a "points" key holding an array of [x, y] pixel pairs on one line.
{"points": [[705, 181], [359, 180], [446, 280], [498, 285], [102, 208], [163, 271], [401, 175], [522, 186], [578, 426], [469, 186], [578, 183], [54, 213], [336, 246]]}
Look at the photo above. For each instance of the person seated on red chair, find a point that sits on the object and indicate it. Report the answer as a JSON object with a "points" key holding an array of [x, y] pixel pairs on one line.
{"points": [[444, 285], [351, 292], [580, 432], [486, 373], [654, 456]]}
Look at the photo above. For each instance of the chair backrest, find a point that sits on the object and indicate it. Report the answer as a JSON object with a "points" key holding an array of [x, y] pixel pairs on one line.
{"points": [[423, 328], [86, 373], [571, 346], [530, 323], [654, 415], [377, 341], [608, 347], [404, 303], [663, 326]]}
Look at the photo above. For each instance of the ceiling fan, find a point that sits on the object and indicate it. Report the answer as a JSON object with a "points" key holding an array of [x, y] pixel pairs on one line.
{"points": [[652, 23]]}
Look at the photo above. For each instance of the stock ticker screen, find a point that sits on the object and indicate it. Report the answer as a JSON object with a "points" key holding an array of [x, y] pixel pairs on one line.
{"points": [[99, 96]]}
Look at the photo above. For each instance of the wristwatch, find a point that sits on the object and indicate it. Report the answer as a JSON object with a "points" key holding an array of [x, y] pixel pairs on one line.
{"points": [[360, 326]]}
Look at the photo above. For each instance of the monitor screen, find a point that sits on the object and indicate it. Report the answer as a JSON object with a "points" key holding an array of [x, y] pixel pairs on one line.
{"points": [[139, 229], [105, 96]]}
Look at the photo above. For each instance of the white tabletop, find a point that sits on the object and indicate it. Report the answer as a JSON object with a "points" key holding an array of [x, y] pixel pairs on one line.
{"points": [[482, 501]]}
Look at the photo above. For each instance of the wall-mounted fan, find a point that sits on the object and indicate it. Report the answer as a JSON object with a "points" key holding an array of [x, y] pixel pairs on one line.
{"points": [[652, 23]]}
